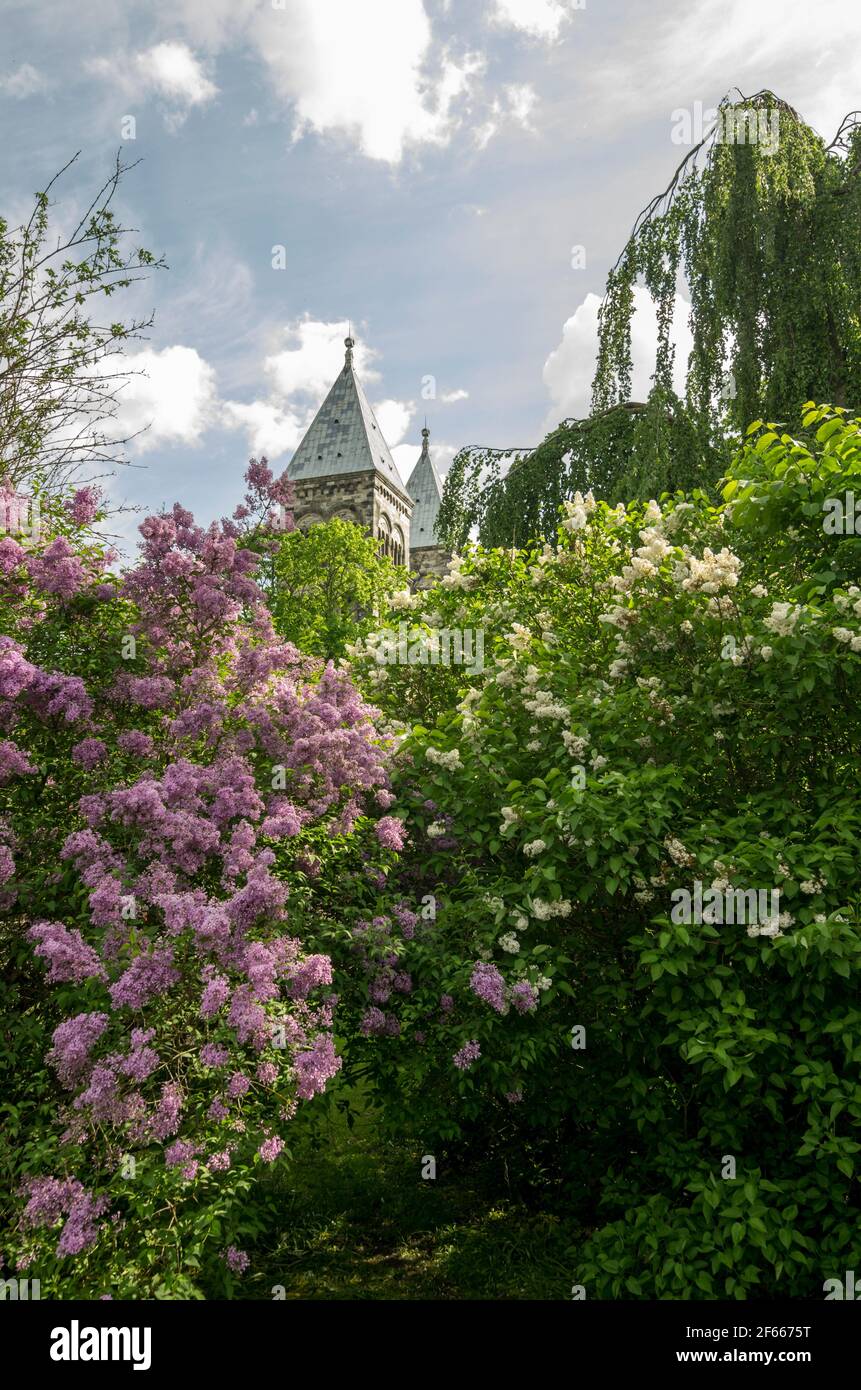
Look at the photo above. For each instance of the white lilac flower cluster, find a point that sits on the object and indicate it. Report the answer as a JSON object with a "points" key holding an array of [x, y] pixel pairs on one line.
{"points": [[534, 848], [504, 672], [403, 599], [782, 619], [677, 852], [518, 638], [645, 561], [548, 636], [575, 744], [509, 943], [773, 928], [543, 911], [539, 571], [710, 574], [674, 519], [578, 511], [449, 760], [544, 706], [619, 617], [455, 579], [469, 724]]}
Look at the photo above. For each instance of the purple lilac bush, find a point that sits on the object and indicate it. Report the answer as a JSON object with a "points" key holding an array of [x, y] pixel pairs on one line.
{"points": [[164, 762]]}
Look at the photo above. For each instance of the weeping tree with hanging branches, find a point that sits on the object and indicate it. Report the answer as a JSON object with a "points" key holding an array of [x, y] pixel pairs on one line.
{"points": [[762, 237]]}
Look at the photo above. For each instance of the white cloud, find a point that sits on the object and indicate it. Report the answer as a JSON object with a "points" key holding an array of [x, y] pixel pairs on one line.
{"points": [[299, 378], [393, 418], [213, 23], [569, 369], [167, 70], [23, 82], [172, 71], [270, 430], [521, 101], [357, 70], [542, 19], [374, 74], [697, 51], [406, 456], [451, 397], [174, 396], [310, 367], [516, 104]]}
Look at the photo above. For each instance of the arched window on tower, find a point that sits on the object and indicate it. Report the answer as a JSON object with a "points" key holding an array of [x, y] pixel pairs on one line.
{"points": [[398, 546], [384, 531]]}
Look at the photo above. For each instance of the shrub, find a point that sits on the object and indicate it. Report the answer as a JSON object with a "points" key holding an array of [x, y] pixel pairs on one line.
{"points": [[167, 764], [670, 698]]}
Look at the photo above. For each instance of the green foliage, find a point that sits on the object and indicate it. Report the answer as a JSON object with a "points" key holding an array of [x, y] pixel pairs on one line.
{"points": [[670, 695], [765, 238], [633, 449], [324, 586]]}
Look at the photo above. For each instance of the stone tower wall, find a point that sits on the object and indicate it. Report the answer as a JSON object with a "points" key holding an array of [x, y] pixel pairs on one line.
{"points": [[363, 498], [429, 562]]}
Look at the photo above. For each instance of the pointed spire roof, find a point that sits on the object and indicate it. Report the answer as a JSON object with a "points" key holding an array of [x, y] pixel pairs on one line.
{"points": [[425, 488], [344, 436]]}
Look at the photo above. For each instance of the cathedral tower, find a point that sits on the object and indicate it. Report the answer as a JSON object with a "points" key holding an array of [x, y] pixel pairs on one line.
{"points": [[343, 468]]}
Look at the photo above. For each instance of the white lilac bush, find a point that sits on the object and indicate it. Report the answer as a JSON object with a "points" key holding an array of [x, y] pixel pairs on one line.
{"points": [[165, 763], [664, 736]]}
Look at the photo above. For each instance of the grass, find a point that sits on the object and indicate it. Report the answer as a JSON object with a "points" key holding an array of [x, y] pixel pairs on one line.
{"points": [[354, 1219]]}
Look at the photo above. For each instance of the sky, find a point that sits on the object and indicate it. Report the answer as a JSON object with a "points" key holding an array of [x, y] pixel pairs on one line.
{"points": [[453, 178]]}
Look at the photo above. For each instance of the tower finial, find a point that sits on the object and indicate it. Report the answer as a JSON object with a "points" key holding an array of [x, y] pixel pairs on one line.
{"points": [[425, 437], [349, 344]]}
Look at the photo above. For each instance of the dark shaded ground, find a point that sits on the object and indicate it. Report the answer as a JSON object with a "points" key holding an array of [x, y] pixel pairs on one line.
{"points": [[355, 1219]]}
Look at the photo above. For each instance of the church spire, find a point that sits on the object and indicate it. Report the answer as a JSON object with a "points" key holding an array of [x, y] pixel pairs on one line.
{"points": [[425, 488], [344, 436]]}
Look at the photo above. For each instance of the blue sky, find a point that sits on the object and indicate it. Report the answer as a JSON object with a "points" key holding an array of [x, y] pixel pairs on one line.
{"points": [[427, 168]]}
